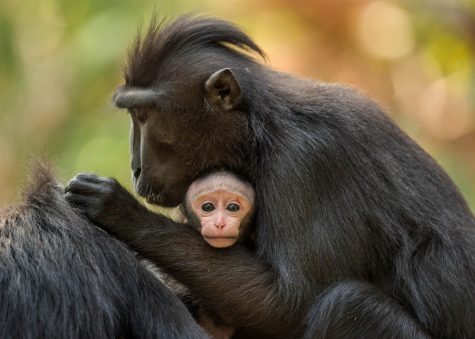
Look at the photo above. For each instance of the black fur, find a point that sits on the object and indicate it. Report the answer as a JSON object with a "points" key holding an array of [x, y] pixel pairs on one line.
{"points": [[61, 277], [187, 35], [359, 233]]}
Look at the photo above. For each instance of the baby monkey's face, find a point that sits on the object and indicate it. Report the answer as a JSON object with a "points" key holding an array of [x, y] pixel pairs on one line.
{"points": [[221, 214]]}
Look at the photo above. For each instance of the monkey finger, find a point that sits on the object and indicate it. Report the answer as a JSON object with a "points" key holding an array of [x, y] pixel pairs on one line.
{"points": [[88, 176], [77, 199], [80, 186]]}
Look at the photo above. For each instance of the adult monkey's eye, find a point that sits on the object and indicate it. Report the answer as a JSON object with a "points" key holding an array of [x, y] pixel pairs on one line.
{"points": [[141, 114], [207, 207], [232, 207]]}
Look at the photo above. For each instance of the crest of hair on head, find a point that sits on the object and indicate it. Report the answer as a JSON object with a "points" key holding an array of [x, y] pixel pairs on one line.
{"points": [[221, 180], [188, 33], [41, 178]]}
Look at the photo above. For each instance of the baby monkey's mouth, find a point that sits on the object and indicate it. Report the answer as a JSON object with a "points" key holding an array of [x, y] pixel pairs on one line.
{"points": [[230, 234], [220, 242]]}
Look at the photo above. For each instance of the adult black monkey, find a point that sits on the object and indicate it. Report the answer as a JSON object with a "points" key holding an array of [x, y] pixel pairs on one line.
{"points": [[359, 233], [61, 277]]}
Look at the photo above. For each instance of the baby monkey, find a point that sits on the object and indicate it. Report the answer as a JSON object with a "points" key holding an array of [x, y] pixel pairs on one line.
{"points": [[220, 206]]}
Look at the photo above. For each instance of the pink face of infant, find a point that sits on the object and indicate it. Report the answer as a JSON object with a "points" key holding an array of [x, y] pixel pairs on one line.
{"points": [[223, 204], [221, 214]]}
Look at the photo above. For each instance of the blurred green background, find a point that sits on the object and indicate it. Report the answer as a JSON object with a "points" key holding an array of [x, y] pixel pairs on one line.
{"points": [[60, 61]]}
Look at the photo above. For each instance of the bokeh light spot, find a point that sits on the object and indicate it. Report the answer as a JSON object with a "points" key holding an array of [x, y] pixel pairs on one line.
{"points": [[385, 30]]}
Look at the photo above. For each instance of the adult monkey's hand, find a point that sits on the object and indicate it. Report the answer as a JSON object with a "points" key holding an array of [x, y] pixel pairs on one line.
{"points": [[104, 201]]}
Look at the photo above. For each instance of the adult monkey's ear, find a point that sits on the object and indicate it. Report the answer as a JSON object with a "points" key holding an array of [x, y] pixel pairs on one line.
{"points": [[223, 90]]}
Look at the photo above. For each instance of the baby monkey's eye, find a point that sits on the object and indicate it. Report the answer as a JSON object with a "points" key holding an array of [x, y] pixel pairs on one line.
{"points": [[207, 207], [232, 207]]}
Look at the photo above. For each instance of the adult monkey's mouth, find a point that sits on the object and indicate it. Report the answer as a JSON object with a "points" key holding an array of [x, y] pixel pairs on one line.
{"points": [[154, 199], [159, 195]]}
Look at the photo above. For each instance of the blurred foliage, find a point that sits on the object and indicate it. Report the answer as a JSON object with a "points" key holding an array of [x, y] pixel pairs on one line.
{"points": [[60, 60]]}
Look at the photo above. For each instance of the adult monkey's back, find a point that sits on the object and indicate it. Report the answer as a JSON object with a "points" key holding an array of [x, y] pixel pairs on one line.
{"points": [[359, 233]]}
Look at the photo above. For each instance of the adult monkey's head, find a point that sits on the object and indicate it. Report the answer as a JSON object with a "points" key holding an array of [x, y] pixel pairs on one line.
{"points": [[185, 88]]}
